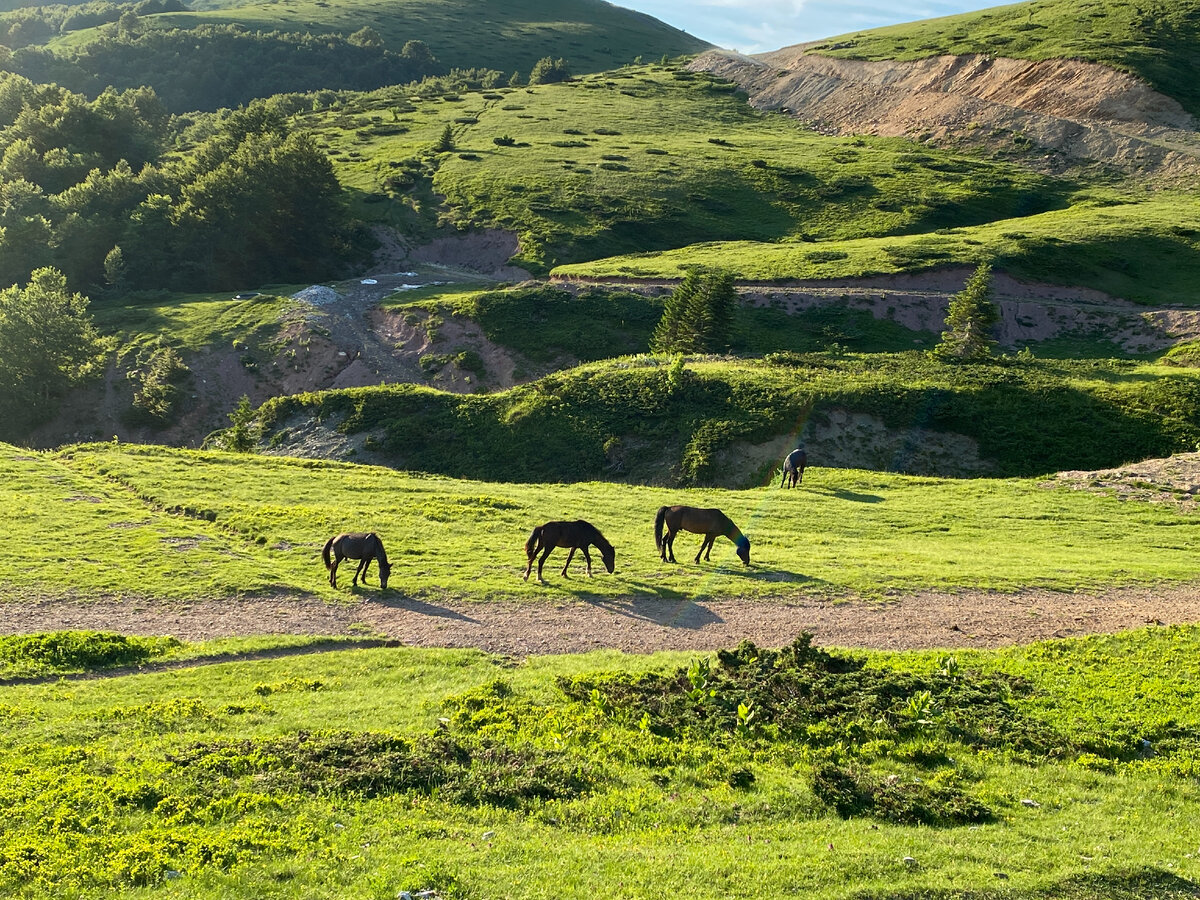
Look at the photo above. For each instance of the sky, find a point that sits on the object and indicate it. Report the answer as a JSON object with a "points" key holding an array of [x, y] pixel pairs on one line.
{"points": [[755, 26]]}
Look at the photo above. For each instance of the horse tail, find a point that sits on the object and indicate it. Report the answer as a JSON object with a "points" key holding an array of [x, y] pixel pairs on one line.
{"points": [[531, 544], [325, 553], [658, 527]]}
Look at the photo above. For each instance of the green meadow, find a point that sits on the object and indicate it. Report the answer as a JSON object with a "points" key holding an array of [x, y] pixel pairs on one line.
{"points": [[649, 158], [115, 521], [1062, 770]]}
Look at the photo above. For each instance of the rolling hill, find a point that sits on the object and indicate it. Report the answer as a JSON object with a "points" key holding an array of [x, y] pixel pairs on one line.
{"points": [[230, 55]]}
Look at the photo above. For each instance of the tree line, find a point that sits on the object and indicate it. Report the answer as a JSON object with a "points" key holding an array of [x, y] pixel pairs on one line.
{"points": [[209, 67], [87, 187]]}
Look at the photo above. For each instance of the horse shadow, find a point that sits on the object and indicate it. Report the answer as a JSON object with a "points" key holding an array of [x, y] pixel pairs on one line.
{"points": [[658, 606], [843, 494], [412, 604]]}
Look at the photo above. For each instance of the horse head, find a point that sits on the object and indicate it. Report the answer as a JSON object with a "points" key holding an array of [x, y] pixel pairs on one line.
{"points": [[609, 555], [743, 549], [385, 569]]}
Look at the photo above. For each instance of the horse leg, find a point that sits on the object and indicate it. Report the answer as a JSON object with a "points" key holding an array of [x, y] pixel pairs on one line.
{"points": [[366, 567], [361, 566], [529, 568], [570, 556], [800, 475], [669, 545], [542, 562], [703, 544], [588, 558], [337, 561]]}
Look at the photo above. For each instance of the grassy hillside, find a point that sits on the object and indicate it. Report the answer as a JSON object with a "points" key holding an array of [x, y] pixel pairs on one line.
{"points": [[1155, 40], [368, 773], [651, 158], [508, 35], [644, 420], [1144, 250], [174, 525]]}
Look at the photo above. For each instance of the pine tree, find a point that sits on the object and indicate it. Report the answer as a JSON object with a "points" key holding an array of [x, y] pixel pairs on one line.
{"points": [[697, 316], [969, 320], [669, 334], [445, 143]]}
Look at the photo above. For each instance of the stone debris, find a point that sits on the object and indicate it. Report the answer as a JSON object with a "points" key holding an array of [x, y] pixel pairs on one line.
{"points": [[318, 295]]}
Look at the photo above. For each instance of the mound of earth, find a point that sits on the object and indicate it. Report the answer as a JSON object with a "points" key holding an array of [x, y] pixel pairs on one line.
{"points": [[1174, 481], [1068, 111]]}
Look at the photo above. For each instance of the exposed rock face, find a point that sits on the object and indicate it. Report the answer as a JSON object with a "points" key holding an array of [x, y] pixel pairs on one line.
{"points": [[1063, 112]]}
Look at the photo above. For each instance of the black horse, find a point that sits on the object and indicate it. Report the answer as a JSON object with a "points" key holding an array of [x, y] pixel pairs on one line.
{"points": [[576, 535], [712, 523], [361, 546], [793, 467]]}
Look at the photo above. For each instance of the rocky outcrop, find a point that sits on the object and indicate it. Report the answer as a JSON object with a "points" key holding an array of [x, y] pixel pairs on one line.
{"points": [[1058, 112]]}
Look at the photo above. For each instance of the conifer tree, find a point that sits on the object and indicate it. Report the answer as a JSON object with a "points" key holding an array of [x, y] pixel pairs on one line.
{"points": [[969, 320], [697, 316]]}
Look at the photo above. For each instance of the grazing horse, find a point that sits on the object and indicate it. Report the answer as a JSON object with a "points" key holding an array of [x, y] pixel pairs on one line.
{"points": [[793, 467], [712, 523], [576, 535], [361, 546]]}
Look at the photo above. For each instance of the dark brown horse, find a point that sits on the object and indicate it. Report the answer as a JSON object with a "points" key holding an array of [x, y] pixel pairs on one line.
{"points": [[363, 546], [575, 535], [712, 523], [793, 467]]}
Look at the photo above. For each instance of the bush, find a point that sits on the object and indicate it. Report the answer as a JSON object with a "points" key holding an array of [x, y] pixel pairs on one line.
{"points": [[72, 650]]}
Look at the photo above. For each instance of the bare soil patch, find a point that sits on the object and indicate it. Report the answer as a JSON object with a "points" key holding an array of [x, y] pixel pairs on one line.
{"points": [[1174, 481], [967, 619], [1056, 113]]}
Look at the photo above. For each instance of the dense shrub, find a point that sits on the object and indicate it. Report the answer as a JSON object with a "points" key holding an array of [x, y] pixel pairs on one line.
{"points": [[67, 650]]}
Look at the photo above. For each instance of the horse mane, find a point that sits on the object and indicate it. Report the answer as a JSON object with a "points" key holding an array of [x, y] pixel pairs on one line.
{"points": [[380, 553], [598, 539]]}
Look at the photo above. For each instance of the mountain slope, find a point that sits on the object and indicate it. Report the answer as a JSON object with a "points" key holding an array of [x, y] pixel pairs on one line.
{"points": [[1156, 40], [506, 36]]}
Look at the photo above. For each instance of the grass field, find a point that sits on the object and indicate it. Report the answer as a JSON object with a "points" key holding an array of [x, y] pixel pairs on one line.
{"points": [[1011, 775], [143, 522]]}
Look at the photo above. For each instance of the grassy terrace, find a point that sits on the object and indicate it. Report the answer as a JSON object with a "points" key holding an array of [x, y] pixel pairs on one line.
{"points": [[171, 524], [1062, 770], [1140, 250], [648, 420]]}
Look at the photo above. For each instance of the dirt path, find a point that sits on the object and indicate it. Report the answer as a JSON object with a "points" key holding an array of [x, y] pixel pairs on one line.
{"points": [[921, 621]]}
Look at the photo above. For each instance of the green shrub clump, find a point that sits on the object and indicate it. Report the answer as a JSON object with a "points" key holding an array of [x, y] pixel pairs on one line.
{"points": [[74, 650]]}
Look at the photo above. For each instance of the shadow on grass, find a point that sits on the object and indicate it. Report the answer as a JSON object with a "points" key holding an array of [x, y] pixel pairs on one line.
{"points": [[843, 494], [1128, 885]]}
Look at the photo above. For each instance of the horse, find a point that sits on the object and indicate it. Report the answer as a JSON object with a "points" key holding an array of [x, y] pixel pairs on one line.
{"points": [[576, 535], [358, 545], [793, 467], [712, 523]]}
